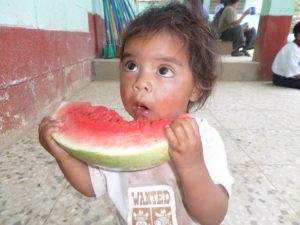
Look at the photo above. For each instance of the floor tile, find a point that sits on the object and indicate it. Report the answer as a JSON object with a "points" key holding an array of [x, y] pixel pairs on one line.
{"points": [[267, 147], [30, 182], [256, 201], [75, 209], [285, 178]]}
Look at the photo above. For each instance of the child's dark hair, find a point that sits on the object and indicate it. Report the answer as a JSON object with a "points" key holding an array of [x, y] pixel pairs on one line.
{"points": [[196, 34], [296, 29]]}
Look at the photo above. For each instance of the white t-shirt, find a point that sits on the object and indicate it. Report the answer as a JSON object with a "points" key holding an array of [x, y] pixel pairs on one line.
{"points": [[287, 61], [153, 196]]}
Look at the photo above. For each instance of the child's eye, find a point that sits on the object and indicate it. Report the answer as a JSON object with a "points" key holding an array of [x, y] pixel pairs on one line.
{"points": [[131, 66], [165, 71]]}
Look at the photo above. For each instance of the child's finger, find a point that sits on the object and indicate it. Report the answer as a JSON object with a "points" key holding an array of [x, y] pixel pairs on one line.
{"points": [[48, 122], [47, 126], [189, 127], [179, 131], [45, 135], [193, 128], [172, 139], [46, 118]]}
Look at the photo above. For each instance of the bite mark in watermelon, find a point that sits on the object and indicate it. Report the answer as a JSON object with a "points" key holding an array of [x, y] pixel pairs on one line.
{"points": [[102, 137]]}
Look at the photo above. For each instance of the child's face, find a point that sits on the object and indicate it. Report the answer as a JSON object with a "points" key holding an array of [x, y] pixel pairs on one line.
{"points": [[156, 79], [298, 39]]}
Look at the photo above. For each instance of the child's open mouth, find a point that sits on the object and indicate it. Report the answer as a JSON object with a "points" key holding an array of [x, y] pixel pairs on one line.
{"points": [[141, 110], [142, 107]]}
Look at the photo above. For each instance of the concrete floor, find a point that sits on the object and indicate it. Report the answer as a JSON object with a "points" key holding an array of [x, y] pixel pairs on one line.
{"points": [[260, 125]]}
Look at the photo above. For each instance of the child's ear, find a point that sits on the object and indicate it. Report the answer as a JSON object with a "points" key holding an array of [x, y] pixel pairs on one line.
{"points": [[196, 94]]}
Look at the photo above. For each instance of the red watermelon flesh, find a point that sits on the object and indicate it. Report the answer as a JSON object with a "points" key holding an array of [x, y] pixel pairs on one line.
{"points": [[102, 137]]}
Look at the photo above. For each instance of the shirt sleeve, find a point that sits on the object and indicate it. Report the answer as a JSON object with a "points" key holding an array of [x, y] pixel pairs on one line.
{"points": [[98, 181], [215, 156]]}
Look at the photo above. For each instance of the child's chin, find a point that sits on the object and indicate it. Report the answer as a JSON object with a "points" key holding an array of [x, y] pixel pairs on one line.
{"points": [[146, 118]]}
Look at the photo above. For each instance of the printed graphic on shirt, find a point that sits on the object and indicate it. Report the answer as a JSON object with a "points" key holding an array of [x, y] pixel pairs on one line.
{"points": [[152, 205]]}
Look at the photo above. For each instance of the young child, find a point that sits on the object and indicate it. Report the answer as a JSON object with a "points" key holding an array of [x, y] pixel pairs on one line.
{"points": [[167, 67]]}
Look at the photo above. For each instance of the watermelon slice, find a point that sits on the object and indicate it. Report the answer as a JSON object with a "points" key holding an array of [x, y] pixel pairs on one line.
{"points": [[101, 137]]}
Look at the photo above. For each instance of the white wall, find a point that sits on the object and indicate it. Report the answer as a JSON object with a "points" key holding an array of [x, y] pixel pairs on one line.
{"points": [[63, 15]]}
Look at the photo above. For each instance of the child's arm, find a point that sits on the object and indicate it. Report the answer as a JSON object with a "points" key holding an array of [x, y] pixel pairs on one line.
{"points": [[75, 171], [206, 201]]}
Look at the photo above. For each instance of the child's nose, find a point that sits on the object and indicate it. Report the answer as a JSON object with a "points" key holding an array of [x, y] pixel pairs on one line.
{"points": [[143, 82]]}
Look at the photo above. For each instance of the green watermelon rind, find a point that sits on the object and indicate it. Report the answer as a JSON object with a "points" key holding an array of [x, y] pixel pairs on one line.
{"points": [[147, 157]]}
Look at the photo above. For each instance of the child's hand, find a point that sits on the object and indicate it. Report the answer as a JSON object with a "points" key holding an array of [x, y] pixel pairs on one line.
{"points": [[185, 144], [46, 128], [74, 170]]}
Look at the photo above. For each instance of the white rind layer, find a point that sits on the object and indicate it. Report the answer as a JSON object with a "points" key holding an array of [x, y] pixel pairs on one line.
{"points": [[118, 157]]}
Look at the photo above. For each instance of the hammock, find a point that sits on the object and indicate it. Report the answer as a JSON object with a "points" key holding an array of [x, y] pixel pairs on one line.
{"points": [[117, 14]]}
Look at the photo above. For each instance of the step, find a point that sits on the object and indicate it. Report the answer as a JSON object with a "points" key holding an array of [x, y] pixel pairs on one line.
{"points": [[224, 47], [228, 69], [238, 69], [105, 69]]}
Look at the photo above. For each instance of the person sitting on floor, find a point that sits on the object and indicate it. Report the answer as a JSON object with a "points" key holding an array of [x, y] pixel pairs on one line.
{"points": [[230, 29], [286, 66]]}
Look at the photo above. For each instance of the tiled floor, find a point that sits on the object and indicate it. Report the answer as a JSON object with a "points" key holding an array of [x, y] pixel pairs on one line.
{"points": [[260, 125]]}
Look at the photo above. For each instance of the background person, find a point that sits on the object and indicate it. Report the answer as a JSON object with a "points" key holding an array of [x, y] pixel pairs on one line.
{"points": [[220, 6], [197, 7], [217, 16], [230, 29], [286, 65]]}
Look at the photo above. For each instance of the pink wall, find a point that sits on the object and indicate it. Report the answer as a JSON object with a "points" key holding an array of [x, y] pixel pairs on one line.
{"points": [[40, 67]]}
